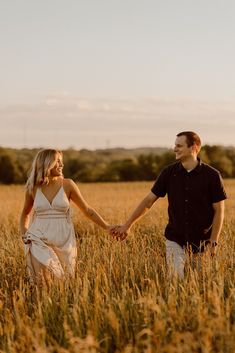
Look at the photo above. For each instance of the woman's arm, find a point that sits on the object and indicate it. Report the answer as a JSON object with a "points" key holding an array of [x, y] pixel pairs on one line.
{"points": [[89, 212], [24, 218]]}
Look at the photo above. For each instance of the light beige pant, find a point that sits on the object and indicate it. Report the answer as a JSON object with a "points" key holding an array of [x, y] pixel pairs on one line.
{"points": [[175, 257]]}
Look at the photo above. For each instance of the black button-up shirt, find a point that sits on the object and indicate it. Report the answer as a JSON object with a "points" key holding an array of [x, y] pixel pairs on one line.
{"points": [[190, 197]]}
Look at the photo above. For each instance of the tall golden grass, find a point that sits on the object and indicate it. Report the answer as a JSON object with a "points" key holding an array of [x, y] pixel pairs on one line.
{"points": [[122, 299]]}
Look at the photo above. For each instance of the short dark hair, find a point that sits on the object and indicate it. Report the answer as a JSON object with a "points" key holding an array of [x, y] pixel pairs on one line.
{"points": [[191, 138]]}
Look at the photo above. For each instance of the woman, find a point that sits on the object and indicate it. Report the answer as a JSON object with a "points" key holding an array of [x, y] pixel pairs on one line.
{"points": [[49, 237]]}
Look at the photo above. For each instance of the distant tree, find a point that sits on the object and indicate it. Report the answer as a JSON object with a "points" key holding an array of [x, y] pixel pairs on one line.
{"points": [[203, 156], [230, 152], [77, 170], [112, 164], [111, 172], [219, 159], [164, 160], [128, 170], [72, 167], [123, 170], [147, 166], [8, 167]]}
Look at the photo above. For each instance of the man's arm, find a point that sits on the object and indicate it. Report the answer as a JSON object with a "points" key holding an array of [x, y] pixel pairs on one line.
{"points": [[121, 232]]}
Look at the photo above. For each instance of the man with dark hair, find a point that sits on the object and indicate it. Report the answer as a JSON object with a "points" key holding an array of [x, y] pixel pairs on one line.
{"points": [[196, 203]]}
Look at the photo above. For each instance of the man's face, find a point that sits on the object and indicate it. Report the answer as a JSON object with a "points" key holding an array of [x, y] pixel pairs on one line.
{"points": [[181, 149]]}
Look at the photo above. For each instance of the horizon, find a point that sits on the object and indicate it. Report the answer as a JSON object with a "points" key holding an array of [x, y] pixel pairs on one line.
{"points": [[110, 148]]}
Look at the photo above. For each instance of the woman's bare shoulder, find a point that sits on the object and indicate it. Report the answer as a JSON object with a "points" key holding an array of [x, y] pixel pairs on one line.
{"points": [[69, 183]]}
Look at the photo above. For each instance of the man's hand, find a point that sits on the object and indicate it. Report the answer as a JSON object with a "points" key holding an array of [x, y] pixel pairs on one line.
{"points": [[212, 250], [119, 232], [211, 247]]}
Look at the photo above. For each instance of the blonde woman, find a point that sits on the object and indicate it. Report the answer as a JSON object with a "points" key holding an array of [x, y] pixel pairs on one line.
{"points": [[49, 236]]}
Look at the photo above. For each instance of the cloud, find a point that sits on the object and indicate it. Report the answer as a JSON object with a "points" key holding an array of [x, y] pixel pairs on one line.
{"points": [[78, 121]]}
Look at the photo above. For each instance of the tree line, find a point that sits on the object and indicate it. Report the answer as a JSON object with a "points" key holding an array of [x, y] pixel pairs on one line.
{"points": [[111, 164]]}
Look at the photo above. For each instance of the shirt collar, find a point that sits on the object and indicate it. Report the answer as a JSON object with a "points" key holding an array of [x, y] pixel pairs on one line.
{"points": [[197, 169]]}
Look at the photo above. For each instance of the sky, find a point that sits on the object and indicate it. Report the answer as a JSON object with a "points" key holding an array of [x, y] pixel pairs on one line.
{"points": [[108, 73]]}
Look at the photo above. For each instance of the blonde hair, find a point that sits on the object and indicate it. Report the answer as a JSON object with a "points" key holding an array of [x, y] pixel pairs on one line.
{"points": [[39, 174]]}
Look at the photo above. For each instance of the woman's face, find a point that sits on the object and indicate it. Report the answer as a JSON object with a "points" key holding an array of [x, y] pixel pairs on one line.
{"points": [[57, 170]]}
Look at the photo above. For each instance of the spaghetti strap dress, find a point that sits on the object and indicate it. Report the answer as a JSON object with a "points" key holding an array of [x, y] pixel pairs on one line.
{"points": [[51, 235]]}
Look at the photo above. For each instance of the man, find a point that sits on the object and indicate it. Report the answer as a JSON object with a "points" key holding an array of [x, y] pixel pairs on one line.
{"points": [[196, 203]]}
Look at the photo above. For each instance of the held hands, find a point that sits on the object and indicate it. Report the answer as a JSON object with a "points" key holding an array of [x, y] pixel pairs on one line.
{"points": [[119, 232]]}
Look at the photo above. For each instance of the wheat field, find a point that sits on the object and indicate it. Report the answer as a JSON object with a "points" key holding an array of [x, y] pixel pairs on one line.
{"points": [[122, 298]]}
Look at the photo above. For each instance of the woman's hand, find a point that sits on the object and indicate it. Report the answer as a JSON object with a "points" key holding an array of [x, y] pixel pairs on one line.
{"points": [[119, 232], [25, 238]]}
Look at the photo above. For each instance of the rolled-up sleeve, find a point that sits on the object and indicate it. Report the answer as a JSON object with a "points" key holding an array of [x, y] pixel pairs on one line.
{"points": [[160, 186], [217, 189]]}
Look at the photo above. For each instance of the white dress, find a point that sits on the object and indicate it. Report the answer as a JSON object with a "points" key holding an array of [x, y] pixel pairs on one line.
{"points": [[51, 235]]}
